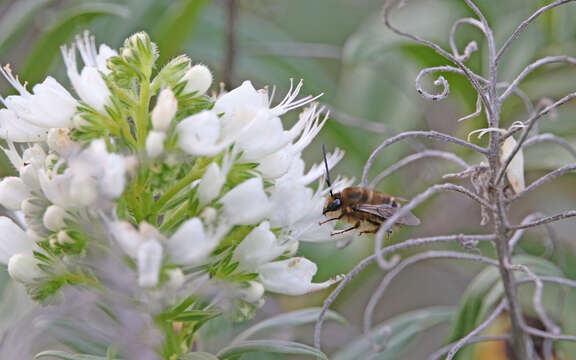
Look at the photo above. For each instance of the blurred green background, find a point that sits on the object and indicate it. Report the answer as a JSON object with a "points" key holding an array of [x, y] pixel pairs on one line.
{"points": [[342, 49]]}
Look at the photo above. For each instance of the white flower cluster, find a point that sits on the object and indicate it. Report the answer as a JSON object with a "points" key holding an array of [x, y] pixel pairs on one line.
{"points": [[209, 186]]}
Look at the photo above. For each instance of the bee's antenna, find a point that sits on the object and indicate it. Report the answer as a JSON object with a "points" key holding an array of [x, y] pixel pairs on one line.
{"points": [[327, 171]]}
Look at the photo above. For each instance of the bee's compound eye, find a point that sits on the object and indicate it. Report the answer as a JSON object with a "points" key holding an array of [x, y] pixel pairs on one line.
{"points": [[337, 203]]}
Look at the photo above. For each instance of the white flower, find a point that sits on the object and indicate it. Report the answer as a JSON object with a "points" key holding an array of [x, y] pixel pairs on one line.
{"points": [[191, 244], [89, 84], [246, 203], [127, 237], [164, 111], [515, 170], [251, 292], [12, 192], [258, 247], [246, 114], [32, 162], [155, 143], [24, 268], [14, 129], [13, 240], [50, 105], [54, 218], [149, 262], [199, 134], [198, 79], [214, 178], [292, 277]]}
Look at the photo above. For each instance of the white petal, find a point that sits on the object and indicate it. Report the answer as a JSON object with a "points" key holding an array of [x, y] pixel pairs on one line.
{"points": [[258, 247], [92, 88], [24, 268], [199, 79], [13, 240], [12, 192], [149, 262], [190, 245], [290, 203], [243, 96], [198, 134], [155, 143], [211, 184], [58, 140], [127, 237], [50, 106], [104, 53], [291, 277], [247, 203], [18, 130], [54, 218], [277, 164], [251, 292], [515, 171], [164, 111]]}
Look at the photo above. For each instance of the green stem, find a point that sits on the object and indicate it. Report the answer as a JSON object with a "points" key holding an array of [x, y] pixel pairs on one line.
{"points": [[142, 113], [195, 173], [176, 216]]}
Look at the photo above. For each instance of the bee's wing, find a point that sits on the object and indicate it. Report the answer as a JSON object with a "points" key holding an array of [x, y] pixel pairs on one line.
{"points": [[385, 211]]}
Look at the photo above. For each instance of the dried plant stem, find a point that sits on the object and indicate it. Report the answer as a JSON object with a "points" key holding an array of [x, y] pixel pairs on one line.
{"points": [[544, 220], [388, 250], [536, 139], [460, 343], [476, 339], [409, 134], [550, 176], [379, 292], [414, 157]]}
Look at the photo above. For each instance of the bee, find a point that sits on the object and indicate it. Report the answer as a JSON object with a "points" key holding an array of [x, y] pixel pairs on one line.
{"points": [[363, 208]]}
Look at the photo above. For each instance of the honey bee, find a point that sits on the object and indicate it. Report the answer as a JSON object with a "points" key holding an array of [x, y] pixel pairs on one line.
{"points": [[363, 208]]}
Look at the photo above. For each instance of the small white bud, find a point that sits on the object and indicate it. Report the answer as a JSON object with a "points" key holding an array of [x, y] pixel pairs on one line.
{"points": [[515, 170], [199, 79], [83, 189], [164, 111], [175, 278], [24, 268], [79, 121], [12, 192], [252, 292], [149, 262], [63, 238], [155, 143], [54, 218]]}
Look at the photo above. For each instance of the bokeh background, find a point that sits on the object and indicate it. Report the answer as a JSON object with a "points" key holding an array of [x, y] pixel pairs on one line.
{"points": [[342, 49]]}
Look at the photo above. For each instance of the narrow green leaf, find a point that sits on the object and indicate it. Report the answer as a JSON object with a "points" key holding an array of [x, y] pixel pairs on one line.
{"points": [[68, 356], [289, 319], [270, 346], [176, 27], [397, 334], [47, 47]]}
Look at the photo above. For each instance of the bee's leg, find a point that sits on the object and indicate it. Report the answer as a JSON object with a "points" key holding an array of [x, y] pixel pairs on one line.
{"points": [[336, 218], [356, 226]]}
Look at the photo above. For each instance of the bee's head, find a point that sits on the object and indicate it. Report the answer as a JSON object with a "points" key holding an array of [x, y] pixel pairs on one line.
{"points": [[334, 203]]}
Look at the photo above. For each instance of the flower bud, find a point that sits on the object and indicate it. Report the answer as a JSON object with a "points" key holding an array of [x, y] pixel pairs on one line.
{"points": [[54, 218], [127, 237], [155, 143], [515, 170], [12, 192], [198, 79], [63, 238], [252, 292], [149, 262], [175, 278], [211, 183], [249, 192], [164, 111], [24, 268]]}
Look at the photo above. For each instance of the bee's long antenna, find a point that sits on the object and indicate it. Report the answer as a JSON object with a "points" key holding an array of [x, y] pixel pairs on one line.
{"points": [[327, 171]]}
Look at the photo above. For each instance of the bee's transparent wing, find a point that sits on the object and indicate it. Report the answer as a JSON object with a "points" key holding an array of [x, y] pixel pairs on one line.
{"points": [[385, 211]]}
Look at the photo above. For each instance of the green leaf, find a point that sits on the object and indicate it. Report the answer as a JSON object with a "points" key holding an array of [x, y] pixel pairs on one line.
{"points": [[176, 27], [68, 356], [270, 346], [47, 47], [289, 319], [397, 333], [198, 356]]}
